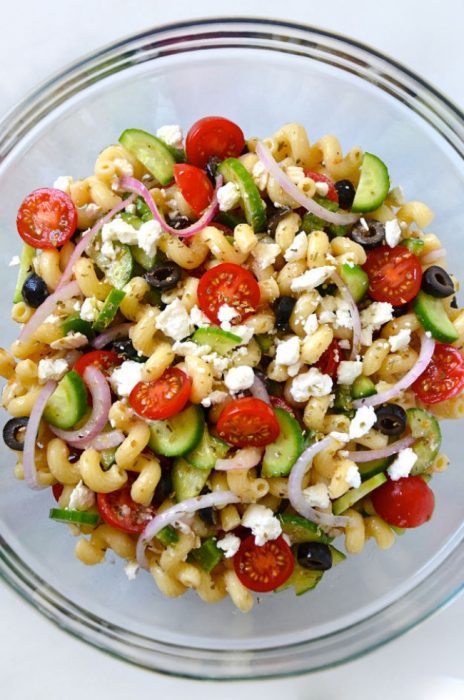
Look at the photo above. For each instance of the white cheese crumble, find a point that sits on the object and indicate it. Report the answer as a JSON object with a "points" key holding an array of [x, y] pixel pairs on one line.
{"points": [[52, 369], [311, 324], [125, 377], [335, 311], [262, 522], [348, 371], [401, 340], [188, 347], [174, 321], [362, 422], [288, 351], [90, 309], [297, 250], [228, 196], [378, 313], [229, 544], [131, 569], [260, 175], [63, 183], [198, 318], [239, 378], [311, 383], [214, 398], [14, 261], [311, 278], [146, 237], [218, 363], [265, 254], [81, 498], [353, 477], [317, 496], [225, 315], [403, 464], [392, 233], [344, 343], [243, 332], [70, 342], [171, 134]]}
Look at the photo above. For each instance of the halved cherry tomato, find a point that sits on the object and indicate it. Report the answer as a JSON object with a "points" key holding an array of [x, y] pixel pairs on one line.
{"points": [[395, 274], [320, 177], [263, 569], [163, 397], [407, 502], [213, 136], [105, 360], [444, 376], [229, 284], [330, 359], [277, 402], [248, 422], [120, 511], [47, 218], [57, 490], [194, 185]]}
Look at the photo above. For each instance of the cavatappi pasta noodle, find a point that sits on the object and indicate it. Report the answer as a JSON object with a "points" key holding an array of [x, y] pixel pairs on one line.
{"points": [[258, 331]]}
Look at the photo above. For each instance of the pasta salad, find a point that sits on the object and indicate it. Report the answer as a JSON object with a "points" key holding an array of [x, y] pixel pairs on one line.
{"points": [[232, 354]]}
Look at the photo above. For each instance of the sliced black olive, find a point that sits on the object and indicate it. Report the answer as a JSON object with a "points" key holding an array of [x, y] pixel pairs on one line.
{"points": [[283, 308], [208, 515], [369, 234], [346, 192], [179, 222], [400, 310], [211, 167], [164, 487], [275, 216], [126, 350], [34, 290], [314, 556], [13, 433], [437, 282], [391, 419], [454, 303], [164, 276]]}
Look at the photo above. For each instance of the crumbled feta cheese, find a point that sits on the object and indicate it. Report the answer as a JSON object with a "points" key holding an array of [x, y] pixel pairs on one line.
{"points": [[348, 371], [63, 183], [293, 370], [90, 309], [174, 321], [392, 233], [364, 419], [335, 311], [171, 134], [198, 318], [81, 498], [262, 522], [400, 340], [218, 363], [131, 569], [148, 236], [288, 351], [297, 250], [123, 166], [366, 336], [214, 398], [344, 343], [322, 188], [225, 315], [52, 369], [311, 278], [243, 332], [311, 383], [119, 230], [402, 465], [317, 496], [228, 196], [239, 378], [260, 175], [340, 437], [190, 348], [229, 544], [108, 250], [353, 477], [311, 324], [14, 261], [265, 254], [70, 342], [378, 313], [125, 377]]}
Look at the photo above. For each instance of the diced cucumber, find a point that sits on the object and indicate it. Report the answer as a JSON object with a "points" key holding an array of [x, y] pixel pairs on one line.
{"points": [[253, 206], [302, 580], [280, 456], [354, 495], [415, 245], [134, 221], [218, 340], [118, 271], [140, 256], [151, 151], [311, 222], [301, 530], [187, 481], [168, 536], [375, 466], [373, 186], [426, 429], [337, 556], [208, 555], [68, 403], [343, 400], [25, 266], [229, 219], [78, 517], [207, 452], [142, 209], [109, 310], [433, 317], [355, 279], [178, 435], [362, 387], [107, 458], [264, 341], [76, 324]]}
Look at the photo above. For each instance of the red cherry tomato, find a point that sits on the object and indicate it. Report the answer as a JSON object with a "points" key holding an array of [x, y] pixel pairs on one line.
{"points": [[105, 360], [320, 177], [194, 185], [213, 136], [248, 422], [229, 284], [57, 490], [330, 359], [407, 502], [163, 397], [120, 511], [443, 378], [277, 402], [47, 218], [263, 569], [395, 274]]}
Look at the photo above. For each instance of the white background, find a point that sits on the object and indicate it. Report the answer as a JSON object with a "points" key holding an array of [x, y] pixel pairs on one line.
{"points": [[37, 660]]}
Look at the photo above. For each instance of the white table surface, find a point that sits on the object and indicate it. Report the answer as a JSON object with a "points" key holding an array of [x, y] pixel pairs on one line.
{"points": [[39, 661]]}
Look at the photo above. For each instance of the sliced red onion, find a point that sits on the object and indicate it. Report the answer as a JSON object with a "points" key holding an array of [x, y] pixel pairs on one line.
{"points": [[295, 488], [101, 403], [246, 458], [433, 255], [355, 343], [130, 184], [106, 441], [259, 391], [368, 455], [32, 428], [88, 237], [291, 189], [66, 292], [119, 331], [170, 515], [425, 355]]}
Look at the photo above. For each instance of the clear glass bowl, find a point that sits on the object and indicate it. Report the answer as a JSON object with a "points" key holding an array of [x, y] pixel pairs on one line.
{"points": [[261, 74]]}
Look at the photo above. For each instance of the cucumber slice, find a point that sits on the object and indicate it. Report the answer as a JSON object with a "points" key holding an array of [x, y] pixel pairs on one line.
{"points": [[337, 556], [168, 536], [229, 219], [433, 317], [68, 403], [255, 213], [76, 324], [302, 580], [208, 555], [207, 452], [25, 266], [354, 495], [426, 429], [118, 271], [355, 279], [373, 186], [301, 530], [79, 517], [343, 400], [109, 310], [375, 466], [362, 387], [218, 340], [264, 341], [177, 435], [142, 209], [187, 481], [311, 222], [107, 458], [415, 245], [151, 152], [140, 256], [280, 456]]}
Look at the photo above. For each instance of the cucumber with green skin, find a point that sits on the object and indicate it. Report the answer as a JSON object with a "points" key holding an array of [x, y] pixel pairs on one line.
{"points": [[146, 261], [118, 272], [168, 536], [255, 213], [68, 403], [76, 324], [25, 266], [187, 481], [207, 452], [151, 151], [208, 555], [219, 341], [433, 317], [356, 280], [353, 495], [415, 245], [373, 467], [178, 435], [426, 429], [280, 456], [109, 310], [362, 387], [373, 186], [77, 517], [301, 530]]}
